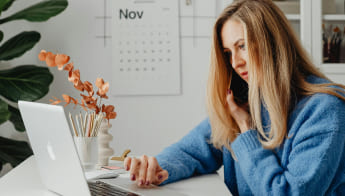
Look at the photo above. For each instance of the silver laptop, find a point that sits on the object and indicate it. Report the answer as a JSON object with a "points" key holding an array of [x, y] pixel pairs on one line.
{"points": [[57, 159]]}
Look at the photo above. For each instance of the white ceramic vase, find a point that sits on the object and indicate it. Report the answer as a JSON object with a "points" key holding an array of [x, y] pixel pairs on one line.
{"points": [[104, 150]]}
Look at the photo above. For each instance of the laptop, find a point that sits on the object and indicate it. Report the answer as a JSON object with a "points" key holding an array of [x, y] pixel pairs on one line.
{"points": [[58, 162]]}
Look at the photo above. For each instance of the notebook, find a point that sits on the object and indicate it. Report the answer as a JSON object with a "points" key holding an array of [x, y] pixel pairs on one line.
{"points": [[58, 162]]}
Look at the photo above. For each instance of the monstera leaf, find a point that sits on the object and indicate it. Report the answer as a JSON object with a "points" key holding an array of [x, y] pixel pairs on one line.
{"points": [[16, 119], [39, 12], [24, 82], [18, 45], [4, 113], [7, 4], [4, 4], [13, 152], [1, 36]]}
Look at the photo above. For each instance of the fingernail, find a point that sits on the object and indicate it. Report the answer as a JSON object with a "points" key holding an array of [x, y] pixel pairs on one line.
{"points": [[147, 183], [229, 91], [141, 182], [132, 177], [127, 168], [160, 177]]}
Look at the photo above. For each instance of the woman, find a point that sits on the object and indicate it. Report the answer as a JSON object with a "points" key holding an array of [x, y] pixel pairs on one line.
{"points": [[287, 137]]}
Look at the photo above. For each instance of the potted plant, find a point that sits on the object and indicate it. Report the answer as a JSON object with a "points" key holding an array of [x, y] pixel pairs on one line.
{"points": [[22, 82]]}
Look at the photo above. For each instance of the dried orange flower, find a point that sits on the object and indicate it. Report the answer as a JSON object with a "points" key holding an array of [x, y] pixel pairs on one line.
{"points": [[88, 101]]}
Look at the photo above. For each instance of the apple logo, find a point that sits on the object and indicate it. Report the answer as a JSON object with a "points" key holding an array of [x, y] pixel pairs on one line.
{"points": [[50, 151]]}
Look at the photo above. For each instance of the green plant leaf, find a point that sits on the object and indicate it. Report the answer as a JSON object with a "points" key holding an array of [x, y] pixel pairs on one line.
{"points": [[13, 151], [4, 113], [16, 119], [9, 3], [3, 5], [19, 44], [39, 12], [26, 82], [1, 36]]}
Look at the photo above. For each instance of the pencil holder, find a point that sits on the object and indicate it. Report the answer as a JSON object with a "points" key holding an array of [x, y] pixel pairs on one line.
{"points": [[87, 148]]}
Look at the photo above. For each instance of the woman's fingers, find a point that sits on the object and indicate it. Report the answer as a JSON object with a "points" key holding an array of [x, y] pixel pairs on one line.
{"points": [[134, 169], [143, 170], [161, 177], [239, 113], [151, 170], [231, 102], [155, 174], [127, 163]]}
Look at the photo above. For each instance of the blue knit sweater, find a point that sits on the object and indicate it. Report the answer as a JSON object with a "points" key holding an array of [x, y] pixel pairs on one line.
{"points": [[310, 162]]}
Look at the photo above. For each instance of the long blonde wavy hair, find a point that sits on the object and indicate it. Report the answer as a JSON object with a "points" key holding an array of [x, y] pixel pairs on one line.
{"points": [[278, 66]]}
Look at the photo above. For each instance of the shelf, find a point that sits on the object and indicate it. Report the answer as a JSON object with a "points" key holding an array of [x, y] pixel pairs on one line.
{"points": [[293, 16], [333, 68], [334, 17]]}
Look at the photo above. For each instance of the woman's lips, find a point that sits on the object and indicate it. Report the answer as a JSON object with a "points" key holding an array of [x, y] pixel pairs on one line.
{"points": [[244, 74]]}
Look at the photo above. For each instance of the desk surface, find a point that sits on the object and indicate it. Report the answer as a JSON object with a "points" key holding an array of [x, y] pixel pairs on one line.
{"points": [[25, 180]]}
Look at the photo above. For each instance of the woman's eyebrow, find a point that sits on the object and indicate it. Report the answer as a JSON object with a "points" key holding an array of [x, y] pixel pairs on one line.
{"points": [[235, 44]]}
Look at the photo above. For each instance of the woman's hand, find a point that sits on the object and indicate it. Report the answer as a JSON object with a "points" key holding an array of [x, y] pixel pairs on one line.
{"points": [[145, 170], [239, 113]]}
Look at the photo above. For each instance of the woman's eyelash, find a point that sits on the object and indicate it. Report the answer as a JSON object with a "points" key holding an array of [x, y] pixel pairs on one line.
{"points": [[242, 46]]}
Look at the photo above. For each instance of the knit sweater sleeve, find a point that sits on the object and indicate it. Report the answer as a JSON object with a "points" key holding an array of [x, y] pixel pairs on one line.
{"points": [[315, 148], [192, 155]]}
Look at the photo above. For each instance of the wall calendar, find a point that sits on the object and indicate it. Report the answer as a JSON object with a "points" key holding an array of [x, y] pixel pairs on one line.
{"points": [[146, 47]]}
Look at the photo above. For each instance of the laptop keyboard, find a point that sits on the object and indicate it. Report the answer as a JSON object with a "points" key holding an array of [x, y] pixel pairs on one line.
{"points": [[99, 188]]}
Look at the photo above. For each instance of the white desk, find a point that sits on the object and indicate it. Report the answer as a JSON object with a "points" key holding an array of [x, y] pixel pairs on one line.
{"points": [[25, 180]]}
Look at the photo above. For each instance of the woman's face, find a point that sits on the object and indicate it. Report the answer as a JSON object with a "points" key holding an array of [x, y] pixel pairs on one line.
{"points": [[232, 35]]}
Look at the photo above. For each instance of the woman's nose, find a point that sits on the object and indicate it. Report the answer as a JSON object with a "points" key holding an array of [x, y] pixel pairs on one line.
{"points": [[237, 61]]}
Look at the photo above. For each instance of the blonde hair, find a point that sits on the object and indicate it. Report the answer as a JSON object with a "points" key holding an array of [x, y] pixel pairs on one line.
{"points": [[278, 67]]}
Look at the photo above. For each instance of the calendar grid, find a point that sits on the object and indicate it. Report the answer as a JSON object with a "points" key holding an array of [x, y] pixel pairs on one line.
{"points": [[146, 59]]}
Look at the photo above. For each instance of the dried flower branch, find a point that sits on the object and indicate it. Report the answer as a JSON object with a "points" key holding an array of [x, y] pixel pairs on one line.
{"points": [[88, 101]]}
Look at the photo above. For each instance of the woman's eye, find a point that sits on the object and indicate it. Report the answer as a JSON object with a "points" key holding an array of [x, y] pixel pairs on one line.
{"points": [[242, 46]]}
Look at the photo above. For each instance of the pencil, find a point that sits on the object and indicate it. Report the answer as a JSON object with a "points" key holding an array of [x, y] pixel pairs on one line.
{"points": [[73, 126], [89, 125], [97, 124], [82, 125], [94, 124], [85, 123], [100, 122], [78, 125]]}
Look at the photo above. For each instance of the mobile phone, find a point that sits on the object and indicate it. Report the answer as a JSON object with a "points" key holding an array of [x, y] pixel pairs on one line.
{"points": [[239, 87]]}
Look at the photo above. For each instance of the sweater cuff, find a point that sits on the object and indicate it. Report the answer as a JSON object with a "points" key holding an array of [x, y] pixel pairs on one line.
{"points": [[246, 142]]}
